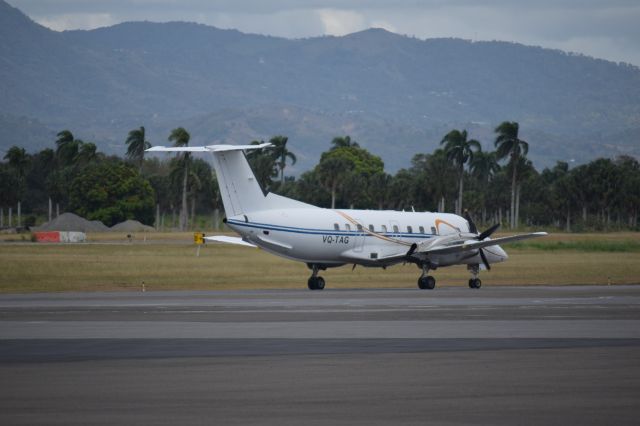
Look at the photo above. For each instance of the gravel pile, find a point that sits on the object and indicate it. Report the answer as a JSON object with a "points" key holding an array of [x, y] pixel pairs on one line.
{"points": [[72, 222], [131, 226]]}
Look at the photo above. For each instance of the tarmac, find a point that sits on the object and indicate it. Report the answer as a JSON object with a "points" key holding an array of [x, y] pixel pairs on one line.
{"points": [[498, 355]]}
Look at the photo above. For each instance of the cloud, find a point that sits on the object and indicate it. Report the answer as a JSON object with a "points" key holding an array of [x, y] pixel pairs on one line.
{"points": [[340, 22], [81, 21]]}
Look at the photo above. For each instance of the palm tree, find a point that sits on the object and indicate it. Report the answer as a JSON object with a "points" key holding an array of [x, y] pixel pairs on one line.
{"points": [[509, 145], [281, 153], [263, 165], [180, 137], [87, 152], [439, 175], [459, 151], [136, 144], [343, 141], [483, 168], [18, 160], [378, 188], [332, 171], [67, 147]]}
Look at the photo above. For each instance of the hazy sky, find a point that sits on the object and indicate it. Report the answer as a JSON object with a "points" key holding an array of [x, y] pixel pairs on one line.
{"points": [[608, 29]]}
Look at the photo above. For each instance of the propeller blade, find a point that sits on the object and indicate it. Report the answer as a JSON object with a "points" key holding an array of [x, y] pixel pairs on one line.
{"points": [[488, 232], [472, 226], [484, 260], [413, 248]]}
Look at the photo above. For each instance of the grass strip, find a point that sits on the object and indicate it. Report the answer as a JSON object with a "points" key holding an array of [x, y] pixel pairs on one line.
{"points": [[605, 246]]}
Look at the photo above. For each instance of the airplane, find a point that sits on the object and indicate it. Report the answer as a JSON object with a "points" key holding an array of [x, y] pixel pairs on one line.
{"points": [[326, 238]]}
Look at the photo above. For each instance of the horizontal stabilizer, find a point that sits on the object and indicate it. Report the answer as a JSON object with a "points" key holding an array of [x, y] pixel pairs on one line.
{"points": [[230, 240], [208, 148]]}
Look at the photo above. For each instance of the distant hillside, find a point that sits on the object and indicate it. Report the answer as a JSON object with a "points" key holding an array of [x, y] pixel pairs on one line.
{"points": [[394, 94], [23, 131]]}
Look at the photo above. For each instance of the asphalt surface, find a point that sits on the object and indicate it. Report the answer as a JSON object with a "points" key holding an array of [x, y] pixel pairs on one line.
{"points": [[536, 355]]}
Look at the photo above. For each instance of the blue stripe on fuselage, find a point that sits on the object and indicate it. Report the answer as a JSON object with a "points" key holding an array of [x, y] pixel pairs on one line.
{"points": [[310, 231]]}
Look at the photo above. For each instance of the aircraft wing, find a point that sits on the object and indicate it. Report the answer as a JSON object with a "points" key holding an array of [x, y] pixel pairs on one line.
{"points": [[447, 246], [230, 240], [468, 245]]}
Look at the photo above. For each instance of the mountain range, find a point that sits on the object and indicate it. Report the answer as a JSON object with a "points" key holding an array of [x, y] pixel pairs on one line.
{"points": [[395, 95]]}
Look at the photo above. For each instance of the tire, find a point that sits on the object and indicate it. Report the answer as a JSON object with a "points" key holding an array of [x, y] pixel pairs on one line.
{"points": [[421, 283], [471, 283], [430, 282], [312, 283], [319, 283], [478, 283]]}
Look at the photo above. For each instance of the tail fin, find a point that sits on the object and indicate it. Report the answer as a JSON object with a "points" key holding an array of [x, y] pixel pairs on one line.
{"points": [[241, 193]]}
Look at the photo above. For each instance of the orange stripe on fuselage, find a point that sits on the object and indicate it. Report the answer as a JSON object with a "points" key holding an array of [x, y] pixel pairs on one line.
{"points": [[368, 231], [444, 222]]}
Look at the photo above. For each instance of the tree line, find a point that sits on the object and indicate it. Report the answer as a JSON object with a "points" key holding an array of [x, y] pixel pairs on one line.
{"points": [[494, 186]]}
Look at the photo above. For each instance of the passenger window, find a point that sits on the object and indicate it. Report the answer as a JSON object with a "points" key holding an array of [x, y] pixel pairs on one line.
{"points": [[384, 228], [371, 228], [336, 226], [409, 229], [395, 228], [347, 227], [359, 227], [421, 229]]}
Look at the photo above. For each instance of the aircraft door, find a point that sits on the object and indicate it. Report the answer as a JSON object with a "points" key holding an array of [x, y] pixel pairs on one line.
{"points": [[359, 238]]}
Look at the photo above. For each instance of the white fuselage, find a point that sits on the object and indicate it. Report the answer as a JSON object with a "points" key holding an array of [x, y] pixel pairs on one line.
{"points": [[334, 237]]}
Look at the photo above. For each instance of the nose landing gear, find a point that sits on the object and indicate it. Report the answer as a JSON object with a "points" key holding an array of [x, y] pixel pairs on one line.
{"points": [[475, 281]]}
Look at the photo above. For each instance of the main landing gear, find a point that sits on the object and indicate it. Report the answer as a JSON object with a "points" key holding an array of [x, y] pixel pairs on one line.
{"points": [[426, 282], [474, 282], [315, 282]]}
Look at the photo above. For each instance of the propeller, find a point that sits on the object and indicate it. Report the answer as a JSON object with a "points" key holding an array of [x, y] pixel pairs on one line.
{"points": [[480, 237], [488, 232]]}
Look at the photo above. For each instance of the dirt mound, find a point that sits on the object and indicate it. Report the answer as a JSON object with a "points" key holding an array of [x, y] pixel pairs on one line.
{"points": [[72, 222], [131, 226]]}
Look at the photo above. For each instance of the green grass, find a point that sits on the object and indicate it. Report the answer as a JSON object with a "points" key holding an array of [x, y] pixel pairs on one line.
{"points": [[605, 246], [168, 262]]}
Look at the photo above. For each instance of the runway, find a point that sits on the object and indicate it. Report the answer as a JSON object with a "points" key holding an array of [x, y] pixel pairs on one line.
{"points": [[501, 355]]}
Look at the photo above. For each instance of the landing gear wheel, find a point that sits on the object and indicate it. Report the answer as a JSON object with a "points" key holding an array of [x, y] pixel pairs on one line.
{"points": [[315, 283], [426, 283], [475, 283]]}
